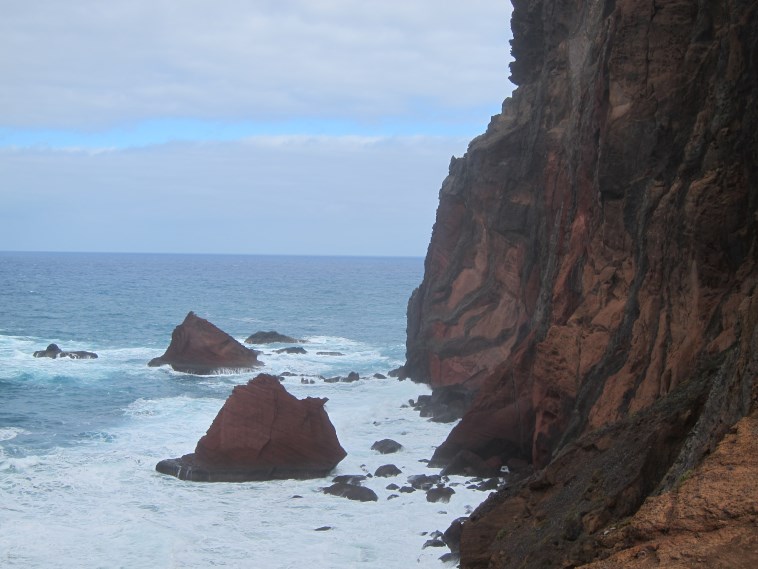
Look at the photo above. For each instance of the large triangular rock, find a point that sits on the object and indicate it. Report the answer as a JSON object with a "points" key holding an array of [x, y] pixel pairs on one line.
{"points": [[199, 347], [262, 433]]}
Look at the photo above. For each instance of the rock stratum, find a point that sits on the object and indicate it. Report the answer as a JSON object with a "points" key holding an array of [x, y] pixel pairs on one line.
{"points": [[262, 433], [201, 348], [591, 277]]}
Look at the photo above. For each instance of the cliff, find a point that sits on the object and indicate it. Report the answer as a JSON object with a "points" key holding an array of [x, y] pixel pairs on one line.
{"points": [[593, 262]]}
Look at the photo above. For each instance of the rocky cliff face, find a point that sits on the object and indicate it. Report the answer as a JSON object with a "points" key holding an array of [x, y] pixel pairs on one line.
{"points": [[594, 254]]}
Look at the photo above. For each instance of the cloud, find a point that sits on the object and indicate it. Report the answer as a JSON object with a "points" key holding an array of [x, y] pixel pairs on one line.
{"points": [[288, 195], [89, 64]]}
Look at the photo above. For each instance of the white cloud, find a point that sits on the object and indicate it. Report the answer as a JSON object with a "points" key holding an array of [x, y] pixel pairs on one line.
{"points": [[96, 64], [289, 195]]}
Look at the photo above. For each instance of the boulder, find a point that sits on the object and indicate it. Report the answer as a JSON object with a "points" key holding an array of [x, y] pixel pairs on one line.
{"points": [[351, 377], [292, 350], [271, 338], [386, 446], [53, 351], [351, 492], [199, 347], [439, 494], [262, 433], [387, 470]]}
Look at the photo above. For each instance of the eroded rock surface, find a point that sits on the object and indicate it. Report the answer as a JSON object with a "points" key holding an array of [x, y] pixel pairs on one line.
{"points": [[199, 347], [54, 352], [593, 261], [262, 433]]}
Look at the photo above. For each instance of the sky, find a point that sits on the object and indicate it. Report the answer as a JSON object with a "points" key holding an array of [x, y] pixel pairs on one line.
{"points": [[306, 127]]}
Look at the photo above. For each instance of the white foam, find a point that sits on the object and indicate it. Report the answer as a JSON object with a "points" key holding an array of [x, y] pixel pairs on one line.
{"points": [[102, 503]]}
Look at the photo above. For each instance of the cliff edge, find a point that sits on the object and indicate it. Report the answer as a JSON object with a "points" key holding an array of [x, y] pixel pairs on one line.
{"points": [[593, 262]]}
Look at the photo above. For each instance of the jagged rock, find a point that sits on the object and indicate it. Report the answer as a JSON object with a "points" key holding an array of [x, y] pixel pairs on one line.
{"points": [[592, 280], [351, 492], [452, 535], [271, 337], [386, 446], [262, 433], [387, 470], [199, 347], [351, 377], [291, 350], [424, 481], [53, 352]]}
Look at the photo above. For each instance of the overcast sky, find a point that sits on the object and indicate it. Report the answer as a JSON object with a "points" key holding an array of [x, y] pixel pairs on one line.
{"points": [[230, 126]]}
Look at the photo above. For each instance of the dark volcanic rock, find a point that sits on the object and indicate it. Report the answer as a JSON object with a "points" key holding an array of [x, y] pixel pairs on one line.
{"points": [[53, 351], [351, 377], [469, 463], [387, 470], [424, 481], [439, 494], [350, 479], [291, 350], [379, 376], [271, 338], [262, 433], [351, 492], [386, 446], [199, 347]]}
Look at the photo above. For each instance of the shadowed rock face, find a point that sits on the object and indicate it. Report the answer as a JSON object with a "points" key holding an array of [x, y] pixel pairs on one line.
{"points": [[262, 433], [199, 347], [593, 261]]}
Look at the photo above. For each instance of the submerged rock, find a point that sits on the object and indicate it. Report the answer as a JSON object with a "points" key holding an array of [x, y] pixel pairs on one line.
{"points": [[53, 351], [199, 347], [262, 433], [292, 350]]}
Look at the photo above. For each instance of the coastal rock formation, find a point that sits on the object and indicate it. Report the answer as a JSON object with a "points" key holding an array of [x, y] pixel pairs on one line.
{"points": [[199, 347], [262, 433], [593, 262], [53, 351], [271, 337]]}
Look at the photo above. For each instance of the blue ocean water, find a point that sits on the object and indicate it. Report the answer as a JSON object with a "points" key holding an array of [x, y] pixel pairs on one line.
{"points": [[79, 438]]}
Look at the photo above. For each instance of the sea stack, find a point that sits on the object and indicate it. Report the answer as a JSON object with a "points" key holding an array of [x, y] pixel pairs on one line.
{"points": [[199, 347], [591, 278], [262, 433]]}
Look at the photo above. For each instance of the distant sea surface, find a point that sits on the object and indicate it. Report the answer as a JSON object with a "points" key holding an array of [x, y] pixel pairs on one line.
{"points": [[79, 439]]}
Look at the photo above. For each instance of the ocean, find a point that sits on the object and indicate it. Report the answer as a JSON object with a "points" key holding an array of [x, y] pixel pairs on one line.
{"points": [[79, 439]]}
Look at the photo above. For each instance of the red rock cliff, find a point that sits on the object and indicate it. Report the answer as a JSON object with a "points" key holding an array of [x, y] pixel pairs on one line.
{"points": [[595, 247], [591, 277]]}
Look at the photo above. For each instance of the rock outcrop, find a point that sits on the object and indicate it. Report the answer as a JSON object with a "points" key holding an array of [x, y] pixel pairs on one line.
{"points": [[593, 261], [262, 433], [199, 347], [271, 337], [54, 352]]}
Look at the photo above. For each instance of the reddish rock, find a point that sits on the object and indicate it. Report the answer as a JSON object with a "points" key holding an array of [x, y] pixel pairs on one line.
{"points": [[199, 347], [262, 433], [596, 247], [593, 262]]}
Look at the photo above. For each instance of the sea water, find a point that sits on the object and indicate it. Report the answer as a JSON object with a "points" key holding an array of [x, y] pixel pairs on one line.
{"points": [[79, 439]]}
